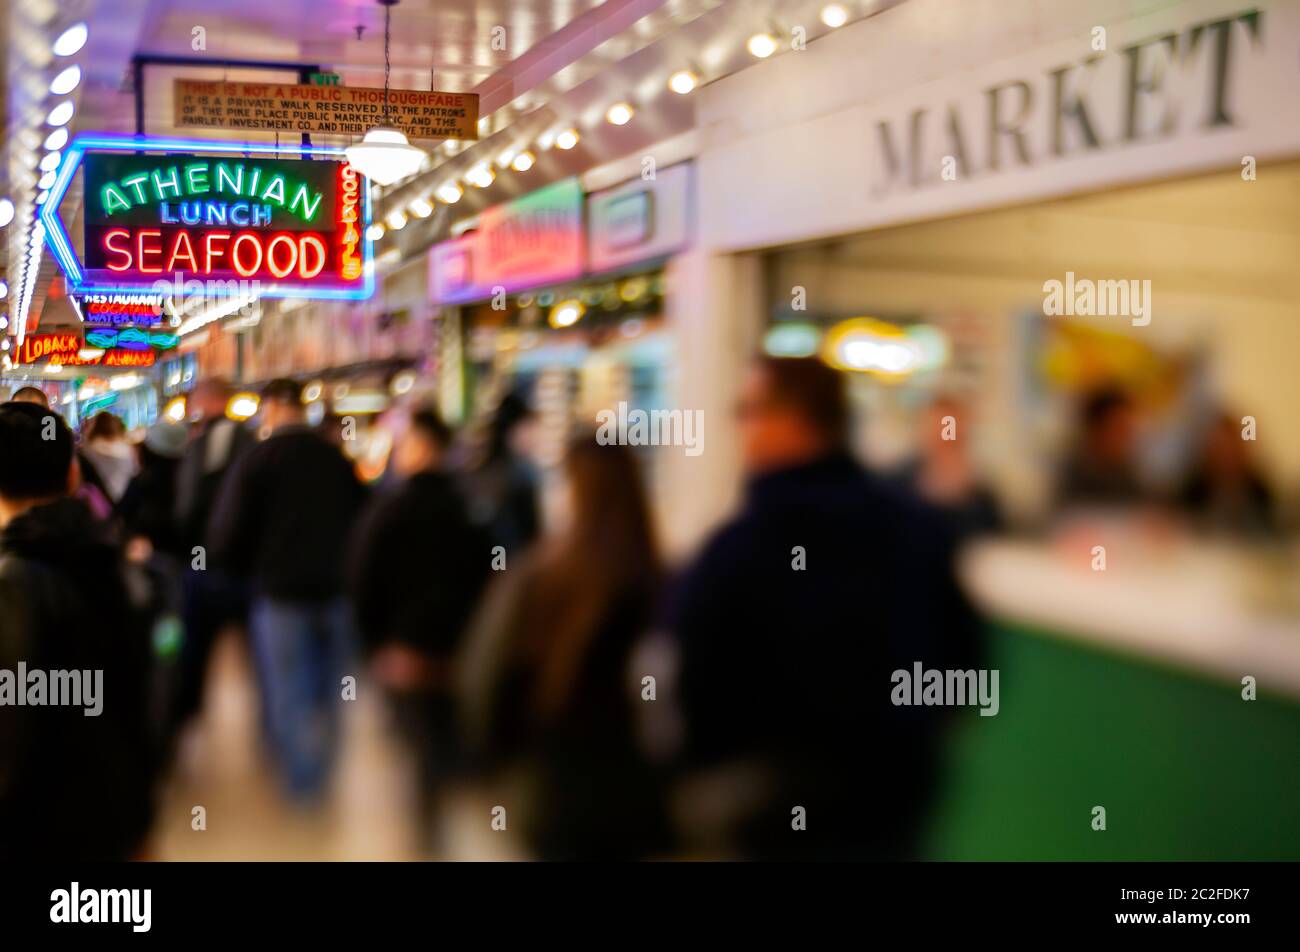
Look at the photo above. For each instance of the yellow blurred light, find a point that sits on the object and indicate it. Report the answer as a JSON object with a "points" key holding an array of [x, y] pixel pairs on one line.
{"points": [[175, 410], [567, 139], [566, 313], [449, 193], [481, 176], [868, 345], [761, 45], [683, 81], [523, 161], [421, 208], [834, 15], [242, 406], [619, 114]]}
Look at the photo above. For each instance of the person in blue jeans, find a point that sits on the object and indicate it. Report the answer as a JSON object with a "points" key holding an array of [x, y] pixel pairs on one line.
{"points": [[283, 518]]}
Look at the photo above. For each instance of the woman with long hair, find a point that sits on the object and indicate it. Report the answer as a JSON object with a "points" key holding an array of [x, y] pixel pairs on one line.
{"points": [[548, 696]]}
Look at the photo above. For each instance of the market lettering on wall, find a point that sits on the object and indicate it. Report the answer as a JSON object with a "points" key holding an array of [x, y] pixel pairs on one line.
{"points": [[310, 107], [1140, 93], [293, 224]]}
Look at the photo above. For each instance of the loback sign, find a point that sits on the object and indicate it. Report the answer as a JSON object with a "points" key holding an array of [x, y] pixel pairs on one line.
{"points": [[327, 109], [233, 220], [69, 350]]}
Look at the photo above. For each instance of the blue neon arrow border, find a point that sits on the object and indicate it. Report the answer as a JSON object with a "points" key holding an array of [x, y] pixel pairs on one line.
{"points": [[56, 235]]}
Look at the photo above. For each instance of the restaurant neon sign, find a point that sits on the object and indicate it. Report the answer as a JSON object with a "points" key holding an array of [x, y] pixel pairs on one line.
{"points": [[290, 219]]}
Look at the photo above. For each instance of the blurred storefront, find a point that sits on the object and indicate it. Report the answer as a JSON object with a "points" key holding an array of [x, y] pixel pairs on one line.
{"points": [[560, 298], [818, 169], [899, 200]]}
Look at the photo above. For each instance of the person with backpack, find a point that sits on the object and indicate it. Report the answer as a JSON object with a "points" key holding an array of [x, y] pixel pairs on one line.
{"points": [[76, 779]]}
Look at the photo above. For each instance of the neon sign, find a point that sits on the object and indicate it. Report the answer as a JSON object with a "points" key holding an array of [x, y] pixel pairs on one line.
{"points": [[116, 310], [131, 338], [68, 350], [216, 212]]}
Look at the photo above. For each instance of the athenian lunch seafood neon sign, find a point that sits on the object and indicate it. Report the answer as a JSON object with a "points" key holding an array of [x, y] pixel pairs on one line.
{"points": [[163, 211]]}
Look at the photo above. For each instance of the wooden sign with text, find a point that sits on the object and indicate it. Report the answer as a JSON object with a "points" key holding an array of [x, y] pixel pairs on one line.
{"points": [[330, 110]]}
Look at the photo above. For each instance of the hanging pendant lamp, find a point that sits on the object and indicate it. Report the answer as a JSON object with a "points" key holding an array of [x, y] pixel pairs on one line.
{"points": [[384, 155]]}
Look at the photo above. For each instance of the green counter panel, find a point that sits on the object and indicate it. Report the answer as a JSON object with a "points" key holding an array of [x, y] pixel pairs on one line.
{"points": [[1185, 768]]}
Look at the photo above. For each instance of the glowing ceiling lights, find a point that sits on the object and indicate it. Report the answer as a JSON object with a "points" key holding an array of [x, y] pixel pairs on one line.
{"points": [[481, 176], [70, 40], [619, 114], [761, 45], [834, 15], [61, 114], [66, 81], [523, 161], [683, 81], [567, 139]]}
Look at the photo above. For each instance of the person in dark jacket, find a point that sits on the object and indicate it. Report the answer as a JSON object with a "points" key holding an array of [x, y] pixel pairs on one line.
{"points": [[283, 520], [418, 567], [550, 701], [793, 619], [502, 486], [213, 597], [92, 490], [75, 779], [147, 508]]}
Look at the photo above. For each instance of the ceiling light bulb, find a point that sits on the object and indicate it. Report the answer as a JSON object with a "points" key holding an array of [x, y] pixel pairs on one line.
{"points": [[66, 81], [47, 181], [70, 40], [396, 220], [523, 161], [56, 139], [834, 15], [762, 45], [375, 232], [61, 114], [385, 156], [6, 212], [683, 81], [51, 162], [619, 114], [567, 139], [449, 193], [481, 176], [421, 208]]}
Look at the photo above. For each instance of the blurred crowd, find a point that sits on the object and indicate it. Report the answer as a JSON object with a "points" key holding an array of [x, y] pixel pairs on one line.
{"points": [[615, 706]]}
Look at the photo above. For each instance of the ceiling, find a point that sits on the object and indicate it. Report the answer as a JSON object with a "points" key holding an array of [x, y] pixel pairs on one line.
{"points": [[537, 65]]}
